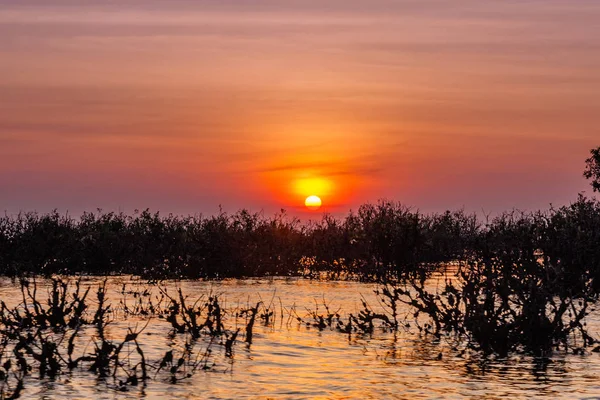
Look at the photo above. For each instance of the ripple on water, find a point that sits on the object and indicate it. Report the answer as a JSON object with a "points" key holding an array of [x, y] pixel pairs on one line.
{"points": [[293, 361]]}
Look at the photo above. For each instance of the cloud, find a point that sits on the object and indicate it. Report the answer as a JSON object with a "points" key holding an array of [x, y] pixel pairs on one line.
{"points": [[301, 166]]}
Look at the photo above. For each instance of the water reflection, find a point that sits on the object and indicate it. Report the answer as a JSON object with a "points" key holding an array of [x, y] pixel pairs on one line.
{"points": [[292, 359]]}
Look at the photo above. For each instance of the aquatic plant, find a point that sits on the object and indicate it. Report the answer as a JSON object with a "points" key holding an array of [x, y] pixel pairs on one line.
{"points": [[41, 337], [515, 293]]}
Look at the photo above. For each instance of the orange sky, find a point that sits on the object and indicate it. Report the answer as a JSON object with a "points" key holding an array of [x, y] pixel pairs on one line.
{"points": [[184, 105]]}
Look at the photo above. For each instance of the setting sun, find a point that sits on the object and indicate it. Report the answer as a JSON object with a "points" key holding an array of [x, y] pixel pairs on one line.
{"points": [[313, 203]]}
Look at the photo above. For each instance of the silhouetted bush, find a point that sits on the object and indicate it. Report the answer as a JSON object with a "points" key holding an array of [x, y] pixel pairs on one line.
{"points": [[571, 243], [385, 242], [592, 170], [524, 285]]}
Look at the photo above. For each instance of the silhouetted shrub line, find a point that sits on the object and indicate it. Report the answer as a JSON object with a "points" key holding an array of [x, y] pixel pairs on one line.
{"points": [[380, 242]]}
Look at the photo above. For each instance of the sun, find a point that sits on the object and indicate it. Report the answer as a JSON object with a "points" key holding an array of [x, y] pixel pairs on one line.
{"points": [[313, 203]]}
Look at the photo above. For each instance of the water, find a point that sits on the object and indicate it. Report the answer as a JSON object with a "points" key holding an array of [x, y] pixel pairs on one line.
{"points": [[289, 359]]}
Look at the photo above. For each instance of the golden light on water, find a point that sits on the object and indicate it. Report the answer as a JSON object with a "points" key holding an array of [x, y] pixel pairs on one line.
{"points": [[313, 202]]}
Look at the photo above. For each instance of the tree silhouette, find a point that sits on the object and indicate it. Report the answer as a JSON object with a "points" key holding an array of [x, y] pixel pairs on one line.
{"points": [[592, 170]]}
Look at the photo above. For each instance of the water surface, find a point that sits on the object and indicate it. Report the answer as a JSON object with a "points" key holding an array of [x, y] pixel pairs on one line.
{"points": [[293, 359]]}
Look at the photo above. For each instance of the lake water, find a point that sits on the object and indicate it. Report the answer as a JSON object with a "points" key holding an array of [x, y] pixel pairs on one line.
{"points": [[290, 359]]}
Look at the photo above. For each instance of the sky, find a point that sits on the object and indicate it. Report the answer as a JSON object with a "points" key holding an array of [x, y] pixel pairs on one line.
{"points": [[184, 106]]}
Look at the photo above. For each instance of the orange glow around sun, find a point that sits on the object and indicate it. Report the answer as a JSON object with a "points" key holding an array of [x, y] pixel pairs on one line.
{"points": [[310, 188], [293, 176], [313, 203], [312, 185]]}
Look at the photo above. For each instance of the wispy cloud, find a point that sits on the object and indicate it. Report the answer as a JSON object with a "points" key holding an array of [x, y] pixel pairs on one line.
{"points": [[208, 98]]}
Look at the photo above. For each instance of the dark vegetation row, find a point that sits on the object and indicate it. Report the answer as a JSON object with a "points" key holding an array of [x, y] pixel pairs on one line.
{"points": [[383, 241], [379, 239]]}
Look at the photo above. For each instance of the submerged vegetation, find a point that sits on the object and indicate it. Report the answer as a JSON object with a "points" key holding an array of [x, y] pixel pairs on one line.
{"points": [[127, 336], [58, 328]]}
